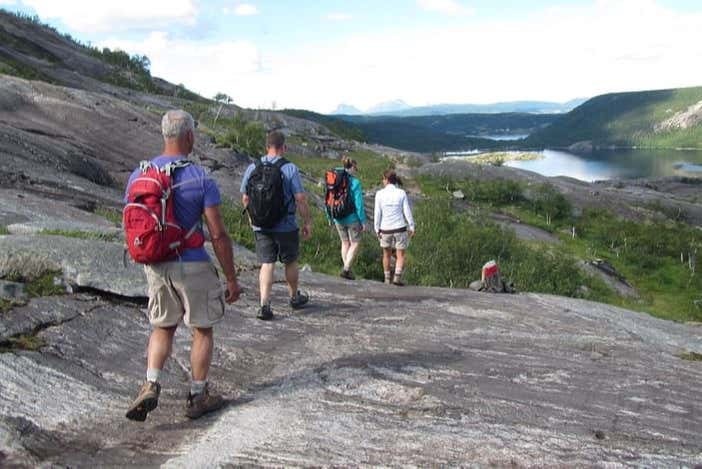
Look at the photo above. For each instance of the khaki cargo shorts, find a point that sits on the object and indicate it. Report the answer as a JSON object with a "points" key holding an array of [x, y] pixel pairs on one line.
{"points": [[184, 290], [394, 240], [350, 233]]}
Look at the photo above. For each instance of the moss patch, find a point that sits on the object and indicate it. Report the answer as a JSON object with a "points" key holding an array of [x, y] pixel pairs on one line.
{"points": [[691, 356], [45, 286], [113, 215], [80, 234], [22, 342]]}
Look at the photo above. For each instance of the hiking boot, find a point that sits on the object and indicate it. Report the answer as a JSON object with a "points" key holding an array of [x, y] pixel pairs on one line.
{"points": [[299, 300], [347, 274], [397, 281], [202, 403], [145, 402], [387, 281], [265, 313]]}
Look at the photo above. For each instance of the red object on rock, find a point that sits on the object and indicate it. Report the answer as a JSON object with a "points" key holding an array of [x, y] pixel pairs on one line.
{"points": [[490, 269]]}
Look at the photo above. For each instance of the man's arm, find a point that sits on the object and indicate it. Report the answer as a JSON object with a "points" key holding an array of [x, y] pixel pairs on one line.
{"points": [[304, 209], [223, 250]]}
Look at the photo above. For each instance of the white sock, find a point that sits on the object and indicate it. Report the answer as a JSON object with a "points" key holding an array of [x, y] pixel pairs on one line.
{"points": [[398, 272], [197, 387], [153, 374], [387, 275]]}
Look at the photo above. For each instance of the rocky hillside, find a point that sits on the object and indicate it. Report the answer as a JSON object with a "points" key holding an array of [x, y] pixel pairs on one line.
{"points": [[655, 119]]}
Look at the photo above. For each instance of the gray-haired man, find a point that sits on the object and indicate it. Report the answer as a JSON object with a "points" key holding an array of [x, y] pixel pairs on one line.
{"points": [[189, 288]]}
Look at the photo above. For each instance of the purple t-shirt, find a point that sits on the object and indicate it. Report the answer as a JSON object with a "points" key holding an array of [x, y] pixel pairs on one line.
{"points": [[199, 192]]}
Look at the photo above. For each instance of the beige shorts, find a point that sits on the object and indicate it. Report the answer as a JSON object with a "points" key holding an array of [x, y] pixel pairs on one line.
{"points": [[394, 240], [350, 233], [184, 290]]}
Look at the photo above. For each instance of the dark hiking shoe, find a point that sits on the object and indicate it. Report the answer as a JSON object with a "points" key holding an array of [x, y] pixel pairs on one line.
{"points": [[200, 404], [347, 274], [265, 313], [145, 402], [299, 300], [397, 281]]}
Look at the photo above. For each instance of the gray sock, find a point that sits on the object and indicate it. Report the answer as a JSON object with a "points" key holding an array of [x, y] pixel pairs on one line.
{"points": [[197, 387], [153, 374]]}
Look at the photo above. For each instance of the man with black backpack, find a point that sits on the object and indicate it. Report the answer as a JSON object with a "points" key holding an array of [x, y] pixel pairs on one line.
{"points": [[272, 192]]}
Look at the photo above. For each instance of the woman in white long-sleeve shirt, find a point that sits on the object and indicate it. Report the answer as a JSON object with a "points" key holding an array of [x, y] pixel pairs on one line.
{"points": [[394, 224]]}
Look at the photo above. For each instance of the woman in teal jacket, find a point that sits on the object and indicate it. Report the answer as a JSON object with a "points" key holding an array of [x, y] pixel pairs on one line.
{"points": [[351, 227]]}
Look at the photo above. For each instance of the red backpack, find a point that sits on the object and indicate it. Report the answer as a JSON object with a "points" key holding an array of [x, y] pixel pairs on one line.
{"points": [[151, 228], [337, 200]]}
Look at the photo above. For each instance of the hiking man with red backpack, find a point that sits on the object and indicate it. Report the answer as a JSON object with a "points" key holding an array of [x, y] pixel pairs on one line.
{"points": [[166, 200], [272, 192], [344, 205]]}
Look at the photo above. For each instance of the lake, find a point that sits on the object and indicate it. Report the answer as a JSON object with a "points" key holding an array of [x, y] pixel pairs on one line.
{"points": [[612, 164]]}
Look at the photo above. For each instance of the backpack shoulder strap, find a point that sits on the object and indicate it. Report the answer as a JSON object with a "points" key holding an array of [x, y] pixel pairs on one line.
{"points": [[281, 162], [144, 165], [170, 168]]}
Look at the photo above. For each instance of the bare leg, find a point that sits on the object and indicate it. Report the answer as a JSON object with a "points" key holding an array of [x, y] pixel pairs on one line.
{"points": [[351, 255], [160, 344], [292, 276], [387, 253], [201, 353], [265, 280], [400, 262], [345, 245]]}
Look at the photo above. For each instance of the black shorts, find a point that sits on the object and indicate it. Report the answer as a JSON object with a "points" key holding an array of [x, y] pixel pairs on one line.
{"points": [[272, 246]]}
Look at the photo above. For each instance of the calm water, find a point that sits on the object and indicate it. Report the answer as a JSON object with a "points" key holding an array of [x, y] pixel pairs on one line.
{"points": [[610, 164]]}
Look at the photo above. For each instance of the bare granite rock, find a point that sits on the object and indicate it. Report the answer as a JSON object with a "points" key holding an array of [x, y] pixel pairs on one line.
{"points": [[89, 263], [368, 374]]}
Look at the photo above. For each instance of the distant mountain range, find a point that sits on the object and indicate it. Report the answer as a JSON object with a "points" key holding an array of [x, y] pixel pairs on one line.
{"points": [[400, 108]]}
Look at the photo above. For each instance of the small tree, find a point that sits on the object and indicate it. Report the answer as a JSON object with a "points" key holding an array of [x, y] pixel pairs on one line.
{"points": [[222, 99], [550, 202]]}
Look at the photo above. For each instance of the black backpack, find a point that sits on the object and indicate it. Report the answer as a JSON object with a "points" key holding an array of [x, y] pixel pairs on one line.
{"points": [[337, 200], [267, 204]]}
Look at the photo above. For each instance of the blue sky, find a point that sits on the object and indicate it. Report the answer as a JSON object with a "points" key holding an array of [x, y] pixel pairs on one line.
{"points": [[318, 54]]}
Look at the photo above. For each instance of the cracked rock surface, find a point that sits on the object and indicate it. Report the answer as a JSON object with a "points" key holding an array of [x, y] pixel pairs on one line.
{"points": [[367, 374]]}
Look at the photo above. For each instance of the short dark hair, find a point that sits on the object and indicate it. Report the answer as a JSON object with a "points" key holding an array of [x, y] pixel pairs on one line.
{"points": [[275, 139]]}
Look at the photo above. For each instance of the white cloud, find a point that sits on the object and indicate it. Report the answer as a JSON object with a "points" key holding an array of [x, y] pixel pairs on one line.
{"points": [[107, 16], [231, 67], [554, 54], [339, 16], [245, 9], [443, 6], [8, 2]]}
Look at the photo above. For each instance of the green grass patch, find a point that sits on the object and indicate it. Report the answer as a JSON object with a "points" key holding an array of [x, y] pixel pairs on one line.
{"points": [[4, 231], [6, 305], [110, 214], [22, 342], [45, 286], [81, 234], [691, 356]]}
